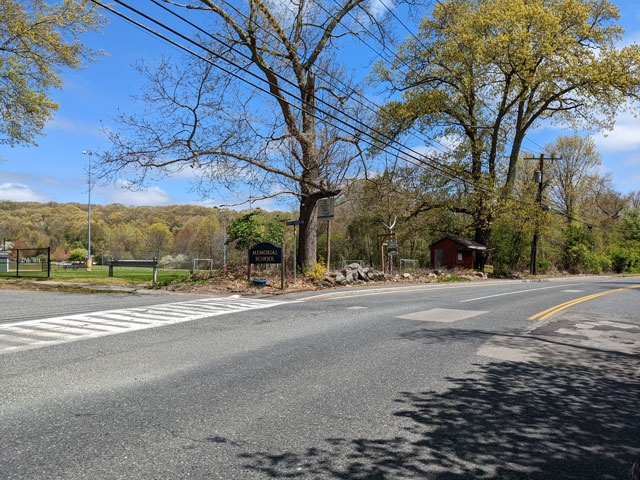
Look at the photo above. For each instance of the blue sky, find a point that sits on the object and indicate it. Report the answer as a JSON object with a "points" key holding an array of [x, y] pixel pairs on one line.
{"points": [[55, 170]]}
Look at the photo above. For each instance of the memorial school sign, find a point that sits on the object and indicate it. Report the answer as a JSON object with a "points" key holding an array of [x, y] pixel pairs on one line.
{"points": [[265, 253]]}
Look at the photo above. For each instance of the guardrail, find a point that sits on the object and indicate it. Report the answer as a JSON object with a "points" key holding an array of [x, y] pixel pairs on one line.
{"points": [[135, 263]]}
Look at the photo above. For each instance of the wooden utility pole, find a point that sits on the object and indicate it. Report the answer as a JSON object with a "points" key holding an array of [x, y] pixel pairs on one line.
{"points": [[329, 244], [539, 179]]}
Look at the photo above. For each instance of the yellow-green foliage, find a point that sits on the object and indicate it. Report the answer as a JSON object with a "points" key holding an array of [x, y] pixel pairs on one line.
{"points": [[39, 39], [316, 271]]}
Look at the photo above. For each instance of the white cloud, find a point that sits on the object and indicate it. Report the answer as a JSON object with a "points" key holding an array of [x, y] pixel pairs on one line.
{"points": [[623, 138], [51, 182], [378, 8], [126, 193], [18, 192], [69, 126]]}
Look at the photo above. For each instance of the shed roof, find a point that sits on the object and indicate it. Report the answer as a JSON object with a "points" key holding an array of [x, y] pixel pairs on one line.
{"points": [[465, 242]]}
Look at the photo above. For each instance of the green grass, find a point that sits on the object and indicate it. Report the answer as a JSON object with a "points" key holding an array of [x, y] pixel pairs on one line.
{"points": [[452, 277], [99, 274]]}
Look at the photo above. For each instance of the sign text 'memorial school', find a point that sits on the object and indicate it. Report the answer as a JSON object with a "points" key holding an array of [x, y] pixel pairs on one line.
{"points": [[265, 253]]}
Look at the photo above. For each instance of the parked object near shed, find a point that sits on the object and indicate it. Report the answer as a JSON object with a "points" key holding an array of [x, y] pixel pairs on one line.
{"points": [[454, 251]]}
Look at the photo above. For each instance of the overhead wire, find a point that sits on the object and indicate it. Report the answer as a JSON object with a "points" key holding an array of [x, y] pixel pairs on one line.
{"points": [[489, 107], [262, 89], [422, 159]]}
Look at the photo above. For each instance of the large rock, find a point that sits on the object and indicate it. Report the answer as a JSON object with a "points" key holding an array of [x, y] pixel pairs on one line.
{"points": [[362, 275], [407, 276], [349, 276], [341, 279], [354, 266]]}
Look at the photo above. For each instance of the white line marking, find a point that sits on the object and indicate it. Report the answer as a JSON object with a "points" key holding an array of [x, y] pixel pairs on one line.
{"points": [[442, 315], [519, 291], [572, 291], [51, 331], [355, 308], [341, 294]]}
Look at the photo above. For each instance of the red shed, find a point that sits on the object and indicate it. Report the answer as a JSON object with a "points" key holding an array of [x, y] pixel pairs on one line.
{"points": [[454, 252]]}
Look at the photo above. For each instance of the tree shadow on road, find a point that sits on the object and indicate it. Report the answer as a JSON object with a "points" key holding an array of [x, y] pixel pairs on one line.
{"points": [[569, 416]]}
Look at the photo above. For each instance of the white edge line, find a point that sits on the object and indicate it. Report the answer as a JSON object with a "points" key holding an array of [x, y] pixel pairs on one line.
{"points": [[383, 290], [519, 291]]}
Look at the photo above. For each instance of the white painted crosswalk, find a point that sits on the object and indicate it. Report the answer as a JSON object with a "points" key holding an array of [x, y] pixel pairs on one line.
{"points": [[50, 331]]}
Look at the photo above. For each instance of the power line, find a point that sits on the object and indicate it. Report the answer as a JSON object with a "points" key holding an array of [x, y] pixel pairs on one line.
{"points": [[489, 107], [421, 161], [439, 167]]}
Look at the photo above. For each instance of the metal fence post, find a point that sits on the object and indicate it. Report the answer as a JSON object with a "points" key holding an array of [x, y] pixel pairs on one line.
{"points": [[17, 263], [155, 269]]}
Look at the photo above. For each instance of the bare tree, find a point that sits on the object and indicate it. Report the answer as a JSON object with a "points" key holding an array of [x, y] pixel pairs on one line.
{"points": [[573, 174], [285, 133]]}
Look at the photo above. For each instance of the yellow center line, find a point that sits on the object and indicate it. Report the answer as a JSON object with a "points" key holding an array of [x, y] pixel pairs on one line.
{"points": [[553, 310]]}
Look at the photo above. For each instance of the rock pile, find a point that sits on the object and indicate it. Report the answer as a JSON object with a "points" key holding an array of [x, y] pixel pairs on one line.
{"points": [[354, 274]]}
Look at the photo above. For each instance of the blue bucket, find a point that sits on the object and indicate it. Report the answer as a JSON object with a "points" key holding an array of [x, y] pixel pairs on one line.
{"points": [[259, 283]]}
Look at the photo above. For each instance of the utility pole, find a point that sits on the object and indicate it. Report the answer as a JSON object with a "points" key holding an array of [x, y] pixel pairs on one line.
{"points": [[539, 179], [224, 241], [90, 153]]}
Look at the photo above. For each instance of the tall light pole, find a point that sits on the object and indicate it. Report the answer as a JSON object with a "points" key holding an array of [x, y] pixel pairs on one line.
{"points": [[90, 153]]}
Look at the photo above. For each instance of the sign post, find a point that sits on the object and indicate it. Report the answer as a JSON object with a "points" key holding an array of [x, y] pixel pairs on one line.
{"points": [[293, 224], [392, 249], [262, 253]]}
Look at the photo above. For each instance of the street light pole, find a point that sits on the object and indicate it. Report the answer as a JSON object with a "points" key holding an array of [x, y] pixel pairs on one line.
{"points": [[90, 153]]}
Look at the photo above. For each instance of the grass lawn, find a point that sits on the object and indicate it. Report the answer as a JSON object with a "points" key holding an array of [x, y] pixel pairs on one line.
{"points": [[99, 275]]}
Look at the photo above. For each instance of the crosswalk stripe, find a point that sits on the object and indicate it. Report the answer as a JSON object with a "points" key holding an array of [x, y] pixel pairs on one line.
{"points": [[32, 332], [123, 318], [78, 326]]}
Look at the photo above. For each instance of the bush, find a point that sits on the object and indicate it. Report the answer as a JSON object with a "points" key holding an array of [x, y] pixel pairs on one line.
{"points": [[316, 271], [452, 277], [78, 255], [625, 260], [543, 265]]}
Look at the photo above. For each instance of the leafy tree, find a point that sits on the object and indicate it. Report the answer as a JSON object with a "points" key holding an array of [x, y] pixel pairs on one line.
{"points": [[78, 255], [39, 40], [253, 228], [280, 142], [487, 71], [158, 239], [205, 236]]}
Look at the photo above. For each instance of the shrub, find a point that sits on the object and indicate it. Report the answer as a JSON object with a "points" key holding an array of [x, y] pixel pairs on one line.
{"points": [[316, 271], [78, 255], [543, 265], [625, 260], [452, 277]]}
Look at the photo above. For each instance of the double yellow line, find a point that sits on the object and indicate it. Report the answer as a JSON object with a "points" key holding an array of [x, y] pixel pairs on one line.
{"points": [[553, 310]]}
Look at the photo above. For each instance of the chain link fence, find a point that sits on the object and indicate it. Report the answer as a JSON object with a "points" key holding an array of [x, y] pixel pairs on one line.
{"points": [[25, 263]]}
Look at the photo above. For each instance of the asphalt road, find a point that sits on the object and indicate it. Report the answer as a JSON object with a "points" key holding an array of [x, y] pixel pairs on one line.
{"points": [[438, 382]]}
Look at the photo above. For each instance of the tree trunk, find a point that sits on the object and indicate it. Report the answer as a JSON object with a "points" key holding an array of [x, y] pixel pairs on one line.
{"points": [[483, 236], [308, 238], [482, 222]]}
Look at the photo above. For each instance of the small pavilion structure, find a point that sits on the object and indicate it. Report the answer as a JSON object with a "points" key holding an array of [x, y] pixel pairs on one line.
{"points": [[454, 251]]}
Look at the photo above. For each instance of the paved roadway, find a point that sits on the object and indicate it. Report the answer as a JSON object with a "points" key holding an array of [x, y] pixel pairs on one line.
{"points": [[436, 382]]}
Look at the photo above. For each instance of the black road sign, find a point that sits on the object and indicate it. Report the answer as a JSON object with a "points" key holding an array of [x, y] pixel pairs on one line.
{"points": [[294, 222], [265, 253]]}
